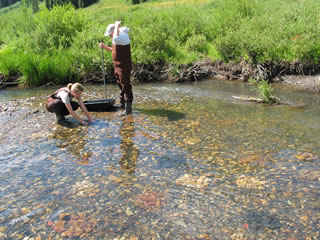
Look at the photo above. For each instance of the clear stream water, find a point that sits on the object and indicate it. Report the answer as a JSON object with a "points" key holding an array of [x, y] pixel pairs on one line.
{"points": [[192, 162]]}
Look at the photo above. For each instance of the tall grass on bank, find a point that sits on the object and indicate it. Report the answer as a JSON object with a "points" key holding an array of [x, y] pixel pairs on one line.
{"points": [[230, 30], [37, 69]]}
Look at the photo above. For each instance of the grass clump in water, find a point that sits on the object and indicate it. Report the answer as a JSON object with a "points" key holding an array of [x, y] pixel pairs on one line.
{"points": [[264, 89]]}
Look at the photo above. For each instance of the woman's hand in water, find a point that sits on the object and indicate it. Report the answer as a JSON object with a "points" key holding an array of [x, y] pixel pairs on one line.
{"points": [[89, 120], [84, 123]]}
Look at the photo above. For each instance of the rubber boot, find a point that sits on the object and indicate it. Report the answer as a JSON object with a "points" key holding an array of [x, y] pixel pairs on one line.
{"points": [[128, 109], [122, 103], [61, 120], [59, 117]]}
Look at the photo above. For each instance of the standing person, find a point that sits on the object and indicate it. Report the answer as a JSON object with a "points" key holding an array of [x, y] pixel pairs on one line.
{"points": [[61, 104], [121, 56]]}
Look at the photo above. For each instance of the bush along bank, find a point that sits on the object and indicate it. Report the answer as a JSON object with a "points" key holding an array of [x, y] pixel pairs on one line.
{"points": [[229, 39]]}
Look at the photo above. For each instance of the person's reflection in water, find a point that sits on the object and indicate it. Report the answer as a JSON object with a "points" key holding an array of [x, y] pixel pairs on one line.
{"points": [[73, 140], [130, 153]]}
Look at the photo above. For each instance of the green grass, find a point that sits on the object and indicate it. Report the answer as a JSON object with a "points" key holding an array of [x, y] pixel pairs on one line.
{"points": [[175, 32]]}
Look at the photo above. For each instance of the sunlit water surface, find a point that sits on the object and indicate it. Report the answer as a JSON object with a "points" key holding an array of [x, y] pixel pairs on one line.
{"points": [[192, 162]]}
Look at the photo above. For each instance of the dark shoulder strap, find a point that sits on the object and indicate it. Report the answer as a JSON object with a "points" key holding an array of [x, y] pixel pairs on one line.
{"points": [[54, 95]]}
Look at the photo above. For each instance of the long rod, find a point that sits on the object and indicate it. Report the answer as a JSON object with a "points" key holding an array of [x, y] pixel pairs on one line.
{"points": [[104, 74]]}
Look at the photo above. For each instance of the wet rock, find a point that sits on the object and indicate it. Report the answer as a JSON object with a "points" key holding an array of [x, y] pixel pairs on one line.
{"points": [[74, 226], [85, 189], [27, 217], [249, 182], [251, 159], [3, 236], [220, 77], [313, 175], [150, 199], [192, 141], [306, 156], [260, 219], [59, 226], [193, 181]]}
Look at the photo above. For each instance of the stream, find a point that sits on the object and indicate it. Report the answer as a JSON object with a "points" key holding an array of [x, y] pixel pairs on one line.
{"points": [[192, 162]]}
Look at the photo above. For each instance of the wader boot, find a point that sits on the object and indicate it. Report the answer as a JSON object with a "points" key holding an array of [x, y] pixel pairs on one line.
{"points": [[128, 109], [122, 103], [61, 120]]}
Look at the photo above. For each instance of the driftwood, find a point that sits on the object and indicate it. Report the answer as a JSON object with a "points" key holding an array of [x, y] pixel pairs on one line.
{"points": [[6, 84], [193, 73], [47, 85], [274, 100]]}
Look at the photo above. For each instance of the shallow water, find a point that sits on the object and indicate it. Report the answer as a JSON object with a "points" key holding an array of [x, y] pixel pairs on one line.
{"points": [[191, 163]]}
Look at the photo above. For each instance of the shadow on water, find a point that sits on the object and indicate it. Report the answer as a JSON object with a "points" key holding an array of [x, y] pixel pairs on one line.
{"points": [[169, 114]]}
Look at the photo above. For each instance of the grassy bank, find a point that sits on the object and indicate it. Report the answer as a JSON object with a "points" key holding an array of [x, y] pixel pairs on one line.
{"points": [[62, 45]]}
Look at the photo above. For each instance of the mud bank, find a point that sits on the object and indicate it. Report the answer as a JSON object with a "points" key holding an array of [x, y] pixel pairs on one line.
{"points": [[296, 75]]}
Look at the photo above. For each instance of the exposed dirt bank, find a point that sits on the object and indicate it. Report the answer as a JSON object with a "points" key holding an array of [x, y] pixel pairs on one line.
{"points": [[309, 83], [296, 75]]}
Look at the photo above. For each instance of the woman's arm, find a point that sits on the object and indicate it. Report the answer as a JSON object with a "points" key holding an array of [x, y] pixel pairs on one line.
{"points": [[85, 110], [73, 114], [102, 45], [116, 28]]}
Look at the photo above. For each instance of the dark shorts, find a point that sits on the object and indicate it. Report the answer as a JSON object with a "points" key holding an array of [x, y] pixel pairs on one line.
{"points": [[58, 107]]}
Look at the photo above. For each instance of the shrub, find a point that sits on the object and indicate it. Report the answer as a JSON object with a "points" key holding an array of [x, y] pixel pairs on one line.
{"points": [[55, 29], [197, 43], [9, 62]]}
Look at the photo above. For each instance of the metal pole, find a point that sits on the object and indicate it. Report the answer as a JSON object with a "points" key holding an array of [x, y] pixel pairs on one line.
{"points": [[104, 74]]}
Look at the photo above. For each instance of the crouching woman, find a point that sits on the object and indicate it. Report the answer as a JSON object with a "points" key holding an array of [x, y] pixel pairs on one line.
{"points": [[61, 104]]}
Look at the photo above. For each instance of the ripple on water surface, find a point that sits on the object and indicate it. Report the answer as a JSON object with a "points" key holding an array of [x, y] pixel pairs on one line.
{"points": [[201, 166]]}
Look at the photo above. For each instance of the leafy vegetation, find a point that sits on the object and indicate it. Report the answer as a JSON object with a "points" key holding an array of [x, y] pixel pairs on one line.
{"points": [[161, 32], [264, 89]]}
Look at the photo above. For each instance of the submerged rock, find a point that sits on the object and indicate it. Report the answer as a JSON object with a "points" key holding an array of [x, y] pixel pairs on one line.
{"points": [[193, 181], [27, 217]]}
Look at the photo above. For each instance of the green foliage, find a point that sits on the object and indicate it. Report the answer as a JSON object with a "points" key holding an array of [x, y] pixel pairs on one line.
{"points": [[12, 28], [163, 35], [231, 30], [9, 62], [35, 6], [44, 53], [55, 29], [197, 43], [264, 89], [38, 70]]}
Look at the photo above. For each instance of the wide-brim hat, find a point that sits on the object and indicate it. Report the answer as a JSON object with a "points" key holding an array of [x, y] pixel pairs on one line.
{"points": [[109, 30]]}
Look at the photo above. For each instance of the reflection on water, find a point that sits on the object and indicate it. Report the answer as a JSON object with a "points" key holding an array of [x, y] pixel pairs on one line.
{"points": [[130, 152], [191, 163], [73, 140]]}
